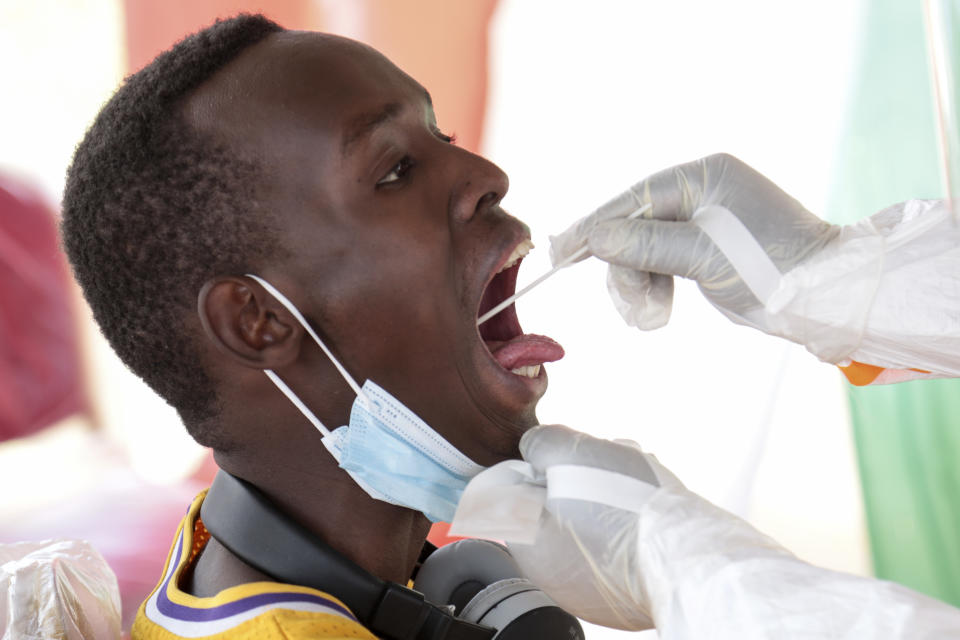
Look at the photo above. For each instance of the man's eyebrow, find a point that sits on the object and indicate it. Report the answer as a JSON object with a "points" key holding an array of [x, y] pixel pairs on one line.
{"points": [[363, 125]]}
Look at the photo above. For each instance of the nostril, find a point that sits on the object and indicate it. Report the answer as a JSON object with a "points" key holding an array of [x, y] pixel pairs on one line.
{"points": [[482, 188], [489, 199]]}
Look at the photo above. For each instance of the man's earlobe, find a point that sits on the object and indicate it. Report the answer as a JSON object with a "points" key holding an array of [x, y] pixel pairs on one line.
{"points": [[244, 322]]}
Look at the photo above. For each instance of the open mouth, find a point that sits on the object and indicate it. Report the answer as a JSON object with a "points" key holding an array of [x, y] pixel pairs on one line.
{"points": [[519, 353]]}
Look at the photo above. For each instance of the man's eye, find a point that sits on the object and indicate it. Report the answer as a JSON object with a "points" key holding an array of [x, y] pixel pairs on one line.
{"points": [[398, 172]]}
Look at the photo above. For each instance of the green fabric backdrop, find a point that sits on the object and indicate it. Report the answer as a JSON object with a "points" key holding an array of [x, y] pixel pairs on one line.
{"points": [[908, 435]]}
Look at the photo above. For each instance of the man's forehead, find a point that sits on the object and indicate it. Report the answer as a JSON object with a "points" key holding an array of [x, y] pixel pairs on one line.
{"points": [[330, 80]]}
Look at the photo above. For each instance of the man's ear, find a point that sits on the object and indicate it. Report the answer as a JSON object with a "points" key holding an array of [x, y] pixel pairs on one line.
{"points": [[247, 323]]}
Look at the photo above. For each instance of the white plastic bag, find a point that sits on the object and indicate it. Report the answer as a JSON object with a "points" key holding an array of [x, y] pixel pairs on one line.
{"points": [[59, 589]]}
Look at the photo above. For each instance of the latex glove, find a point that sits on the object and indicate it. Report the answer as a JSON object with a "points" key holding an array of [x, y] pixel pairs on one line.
{"points": [[883, 291], [568, 513], [582, 544], [620, 542], [667, 241]]}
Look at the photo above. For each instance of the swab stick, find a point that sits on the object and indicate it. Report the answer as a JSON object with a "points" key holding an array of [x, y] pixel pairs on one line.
{"points": [[573, 257]]}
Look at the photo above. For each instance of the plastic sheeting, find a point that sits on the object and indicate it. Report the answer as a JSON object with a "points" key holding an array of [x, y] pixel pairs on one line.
{"points": [[59, 589]]}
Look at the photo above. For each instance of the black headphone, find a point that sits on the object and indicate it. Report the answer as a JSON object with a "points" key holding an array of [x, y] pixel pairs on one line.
{"points": [[477, 579]]}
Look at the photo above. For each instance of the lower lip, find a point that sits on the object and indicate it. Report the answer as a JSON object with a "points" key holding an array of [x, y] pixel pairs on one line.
{"points": [[536, 385]]}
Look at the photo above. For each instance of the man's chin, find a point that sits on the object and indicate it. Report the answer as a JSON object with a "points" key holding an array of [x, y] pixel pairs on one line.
{"points": [[509, 429]]}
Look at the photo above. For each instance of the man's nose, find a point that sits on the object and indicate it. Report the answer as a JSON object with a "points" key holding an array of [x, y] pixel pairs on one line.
{"points": [[480, 186]]}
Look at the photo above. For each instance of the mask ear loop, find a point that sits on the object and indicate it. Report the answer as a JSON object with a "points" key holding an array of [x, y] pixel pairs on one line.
{"points": [[292, 397], [284, 388]]}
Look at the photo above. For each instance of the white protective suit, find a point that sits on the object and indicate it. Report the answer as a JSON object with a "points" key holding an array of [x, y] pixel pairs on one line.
{"points": [[611, 534]]}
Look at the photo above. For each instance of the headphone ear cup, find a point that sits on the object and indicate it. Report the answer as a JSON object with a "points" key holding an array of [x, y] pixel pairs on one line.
{"points": [[518, 610], [484, 584], [455, 573]]}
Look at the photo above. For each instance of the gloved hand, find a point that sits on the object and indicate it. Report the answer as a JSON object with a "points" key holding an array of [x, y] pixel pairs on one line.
{"points": [[764, 234], [881, 291], [586, 554], [667, 241], [620, 542]]}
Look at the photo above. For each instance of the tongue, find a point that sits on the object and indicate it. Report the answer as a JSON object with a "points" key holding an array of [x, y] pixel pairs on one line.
{"points": [[525, 350]]}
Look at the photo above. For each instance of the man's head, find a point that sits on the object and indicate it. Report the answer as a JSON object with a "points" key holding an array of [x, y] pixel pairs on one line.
{"points": [[346, 196], [152, 209]]}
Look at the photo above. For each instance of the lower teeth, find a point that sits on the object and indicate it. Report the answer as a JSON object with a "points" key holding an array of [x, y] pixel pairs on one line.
{"points": [[529, 371]]}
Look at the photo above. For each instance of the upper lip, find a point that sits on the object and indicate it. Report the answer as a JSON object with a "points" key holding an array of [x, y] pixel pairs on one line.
{"points": [[517, 235]]}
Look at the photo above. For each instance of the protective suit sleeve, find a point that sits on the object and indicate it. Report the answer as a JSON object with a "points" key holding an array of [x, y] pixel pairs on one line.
{"points": [[912, 329], [618, 547], [710, 574], [876, 297]]}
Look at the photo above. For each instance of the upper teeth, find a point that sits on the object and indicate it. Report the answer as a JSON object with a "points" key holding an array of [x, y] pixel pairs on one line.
{"points": [[519, 252]]}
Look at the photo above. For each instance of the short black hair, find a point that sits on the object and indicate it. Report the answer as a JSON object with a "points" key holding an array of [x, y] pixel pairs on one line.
{"points": [[153, 208]]}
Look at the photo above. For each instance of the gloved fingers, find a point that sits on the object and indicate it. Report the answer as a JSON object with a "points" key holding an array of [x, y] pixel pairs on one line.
{"points": [[548, 445], [677, 192], [664, 475], [574, 238], [660, 246], [643, 299], [588, 568], [545, 445], [674, 194], [569, 242]]}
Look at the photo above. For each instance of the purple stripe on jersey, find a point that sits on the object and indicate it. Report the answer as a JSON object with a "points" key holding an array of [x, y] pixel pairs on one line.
{"points": [[197, 614]]}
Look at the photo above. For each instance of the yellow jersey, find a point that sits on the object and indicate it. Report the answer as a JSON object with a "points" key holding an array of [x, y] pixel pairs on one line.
{"points": [[261, 610]]}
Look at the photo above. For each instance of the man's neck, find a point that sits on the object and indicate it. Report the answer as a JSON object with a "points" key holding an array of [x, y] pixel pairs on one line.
{"points": [[382, 538]]}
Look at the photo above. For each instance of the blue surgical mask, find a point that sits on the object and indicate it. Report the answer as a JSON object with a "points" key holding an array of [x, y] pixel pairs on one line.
{"points": [[387, 449]]}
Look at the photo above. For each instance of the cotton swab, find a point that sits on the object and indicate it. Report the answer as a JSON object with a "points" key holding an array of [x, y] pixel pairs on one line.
{"points": [[573, 257]]}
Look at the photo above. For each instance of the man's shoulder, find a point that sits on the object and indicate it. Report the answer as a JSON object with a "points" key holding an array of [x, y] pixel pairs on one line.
{"points": [[263, 610], [262, 614]]}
